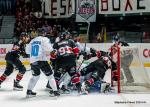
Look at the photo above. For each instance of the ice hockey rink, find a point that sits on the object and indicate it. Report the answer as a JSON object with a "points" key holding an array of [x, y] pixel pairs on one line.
{"points": [[9, 98]]}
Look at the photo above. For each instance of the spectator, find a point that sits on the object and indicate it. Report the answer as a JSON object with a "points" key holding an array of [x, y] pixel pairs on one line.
{"points": [[33, 33], [115, 37], [46, 27], [99, 38], [54, 34]]}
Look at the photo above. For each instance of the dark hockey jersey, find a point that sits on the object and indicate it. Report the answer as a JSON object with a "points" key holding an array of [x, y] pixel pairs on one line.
{"points": [[65, 54], [17, 50], [64, 48]]}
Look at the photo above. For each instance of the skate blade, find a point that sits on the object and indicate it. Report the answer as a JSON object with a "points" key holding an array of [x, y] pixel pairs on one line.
{"points": [[30, 96], [54, 97], [61, 92], [65, 93], [17, 89], [83, 93]]}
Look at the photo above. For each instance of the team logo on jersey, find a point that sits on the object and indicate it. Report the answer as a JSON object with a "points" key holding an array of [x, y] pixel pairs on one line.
{"points": [[86, 8]]}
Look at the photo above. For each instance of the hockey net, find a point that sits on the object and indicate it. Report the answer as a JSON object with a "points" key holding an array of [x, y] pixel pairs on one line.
{"points": [[131, 74]]}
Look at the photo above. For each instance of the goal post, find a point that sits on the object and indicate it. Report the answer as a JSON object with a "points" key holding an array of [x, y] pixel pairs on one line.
{"points": [[132, 77]]}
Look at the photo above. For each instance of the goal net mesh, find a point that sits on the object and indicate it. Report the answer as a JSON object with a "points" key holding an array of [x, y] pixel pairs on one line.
{"points": [[133, 76]]}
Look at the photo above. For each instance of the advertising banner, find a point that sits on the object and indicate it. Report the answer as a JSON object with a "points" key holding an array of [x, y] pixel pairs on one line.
{"points": [[58, 8], [123, 6], [143, 49], [86, 10]]}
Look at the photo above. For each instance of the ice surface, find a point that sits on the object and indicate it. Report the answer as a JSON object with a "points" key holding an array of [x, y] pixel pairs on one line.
{"points": [[10, 98]]}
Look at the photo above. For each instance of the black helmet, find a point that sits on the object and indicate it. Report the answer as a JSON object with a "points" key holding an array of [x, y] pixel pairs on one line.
{"points": [[23, 34], [64, 35]]}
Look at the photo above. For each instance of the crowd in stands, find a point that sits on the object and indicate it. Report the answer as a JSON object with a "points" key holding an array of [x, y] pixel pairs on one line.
{"points": [[1, 18], [27, 22]]}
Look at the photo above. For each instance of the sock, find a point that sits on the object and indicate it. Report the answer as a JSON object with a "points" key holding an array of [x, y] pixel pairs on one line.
{"points": [[19, 77], [33, 82], [3, 77], [52, 82]]}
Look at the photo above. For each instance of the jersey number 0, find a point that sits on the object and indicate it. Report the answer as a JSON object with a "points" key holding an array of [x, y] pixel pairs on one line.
{"points": [[35, 50]]}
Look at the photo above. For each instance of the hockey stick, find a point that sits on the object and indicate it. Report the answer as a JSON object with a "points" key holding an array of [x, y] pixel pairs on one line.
{"points": [[87, 33]]}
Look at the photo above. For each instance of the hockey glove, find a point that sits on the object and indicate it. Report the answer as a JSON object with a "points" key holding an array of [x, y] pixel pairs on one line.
{"points": [[76, 51], [53, 54]]}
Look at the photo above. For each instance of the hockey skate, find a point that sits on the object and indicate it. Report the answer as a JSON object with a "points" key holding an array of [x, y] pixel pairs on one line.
{"points": [[64, 90], [105, 87], [17, 86], [30, 94], [84, 89], [54, 93]]}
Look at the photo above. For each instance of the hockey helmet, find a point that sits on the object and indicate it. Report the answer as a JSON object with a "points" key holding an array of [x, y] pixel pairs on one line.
{"points": [[22, 35], [65, 35]]}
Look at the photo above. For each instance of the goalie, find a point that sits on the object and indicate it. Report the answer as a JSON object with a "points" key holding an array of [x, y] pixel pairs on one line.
{"points": [[126, 60]]}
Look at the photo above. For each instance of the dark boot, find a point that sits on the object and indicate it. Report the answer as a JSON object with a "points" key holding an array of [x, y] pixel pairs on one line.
{"points": [[54, 93], [17, 86], [30, 93], [64, 90]]}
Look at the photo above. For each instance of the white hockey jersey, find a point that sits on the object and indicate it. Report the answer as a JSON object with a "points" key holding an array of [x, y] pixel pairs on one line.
{"points": [[39, 49]]}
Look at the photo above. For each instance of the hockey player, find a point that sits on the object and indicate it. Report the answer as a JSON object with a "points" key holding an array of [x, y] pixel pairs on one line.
{"points": [[12, 60], [126, 61], [98, 69], [65, 58], [60, 75], [38, 49]]}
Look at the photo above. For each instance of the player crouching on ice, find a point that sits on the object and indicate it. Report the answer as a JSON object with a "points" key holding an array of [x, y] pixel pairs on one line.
{"points": [[12, 59], [98, 70]]}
